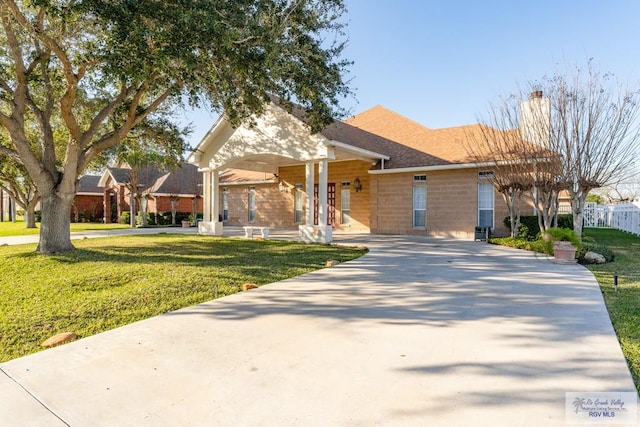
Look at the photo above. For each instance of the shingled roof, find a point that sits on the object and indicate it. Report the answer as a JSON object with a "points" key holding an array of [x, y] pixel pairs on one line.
{"points": [[400, 156], [444, 146], [184, 180], [88, 184]]}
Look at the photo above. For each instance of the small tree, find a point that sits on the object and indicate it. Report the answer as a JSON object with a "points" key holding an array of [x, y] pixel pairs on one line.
{"points": [[16, 182]]}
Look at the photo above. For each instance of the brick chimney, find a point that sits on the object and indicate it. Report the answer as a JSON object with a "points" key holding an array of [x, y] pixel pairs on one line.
{"points": [[535, 116], [535, 94]]}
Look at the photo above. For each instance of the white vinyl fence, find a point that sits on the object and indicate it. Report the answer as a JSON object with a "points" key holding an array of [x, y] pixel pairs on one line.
{"points": [[622, 216]]}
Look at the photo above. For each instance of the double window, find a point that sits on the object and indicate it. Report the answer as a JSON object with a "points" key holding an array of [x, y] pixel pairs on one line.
{"points": [[419, 201]]}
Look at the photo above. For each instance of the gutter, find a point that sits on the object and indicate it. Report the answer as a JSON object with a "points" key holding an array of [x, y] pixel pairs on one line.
{"points": [[453, 166]]}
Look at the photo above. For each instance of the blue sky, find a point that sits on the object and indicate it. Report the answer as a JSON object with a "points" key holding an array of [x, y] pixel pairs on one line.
{"points": [[441, 63]]}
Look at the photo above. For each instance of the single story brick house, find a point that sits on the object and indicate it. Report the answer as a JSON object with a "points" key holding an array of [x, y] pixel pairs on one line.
{"points": [[376, 172], [88, 203], [159, 187]]}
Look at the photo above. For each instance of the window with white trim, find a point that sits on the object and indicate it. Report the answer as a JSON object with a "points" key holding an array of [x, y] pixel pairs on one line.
{"points": [[225, 205], [252, 204], [345, 206], [419, 201], [297, 204], [486, 198]]}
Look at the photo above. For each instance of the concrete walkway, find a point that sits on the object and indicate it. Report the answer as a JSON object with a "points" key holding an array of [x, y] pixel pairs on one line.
{"points": [[417, 332]]}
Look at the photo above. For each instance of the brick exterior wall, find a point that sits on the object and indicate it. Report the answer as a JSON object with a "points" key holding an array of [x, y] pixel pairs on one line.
{"points": [[163, 204], [452, 204], [276, 209], [87, 208], [385, 204], [154, 205]]}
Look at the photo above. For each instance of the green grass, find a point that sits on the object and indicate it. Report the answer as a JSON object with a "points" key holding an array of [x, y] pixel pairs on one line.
{"points": [[623, 306], [19, 228], [109, 282]]}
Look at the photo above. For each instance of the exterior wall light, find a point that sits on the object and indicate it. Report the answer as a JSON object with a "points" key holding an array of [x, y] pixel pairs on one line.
{"points": [[357, 185]]}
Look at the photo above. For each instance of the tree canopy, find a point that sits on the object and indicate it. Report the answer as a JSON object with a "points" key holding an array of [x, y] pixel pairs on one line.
{"points": [[82, 74]]}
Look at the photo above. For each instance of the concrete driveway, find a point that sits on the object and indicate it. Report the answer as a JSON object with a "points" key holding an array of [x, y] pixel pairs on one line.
{"points": [[417, 332]]}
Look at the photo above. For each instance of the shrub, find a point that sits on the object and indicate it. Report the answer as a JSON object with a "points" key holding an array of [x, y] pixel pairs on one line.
{"points": [[565, 221], [125, 217], [554, 234], [529, 228], [519, 243], [38, 216]]}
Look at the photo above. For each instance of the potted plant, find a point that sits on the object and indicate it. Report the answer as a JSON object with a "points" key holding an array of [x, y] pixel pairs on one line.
{"points": [[563, 243], [186, 223]]}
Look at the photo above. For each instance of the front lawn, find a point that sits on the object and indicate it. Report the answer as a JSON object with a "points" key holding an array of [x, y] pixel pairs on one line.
{"points": [[18, 228], [624, 306], [109, 282]]}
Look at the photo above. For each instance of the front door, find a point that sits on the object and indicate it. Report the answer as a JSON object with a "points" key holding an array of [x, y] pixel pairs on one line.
{"points": [[331, 201]]}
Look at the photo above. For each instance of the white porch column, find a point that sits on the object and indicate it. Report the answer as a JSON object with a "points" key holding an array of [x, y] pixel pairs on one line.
{"points": [[206, 193], [215, 196], [309, 176], [322, 192], [210, 223], [309, 232]]}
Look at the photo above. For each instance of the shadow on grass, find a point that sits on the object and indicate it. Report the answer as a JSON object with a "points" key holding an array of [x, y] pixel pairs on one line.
{"points": [[250, 257]]}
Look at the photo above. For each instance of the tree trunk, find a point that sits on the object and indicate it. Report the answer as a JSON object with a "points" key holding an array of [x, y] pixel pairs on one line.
{"points": [[132, 210], [577, 209], [143, 211], [174, 210], [55, 225], [30, 215]]}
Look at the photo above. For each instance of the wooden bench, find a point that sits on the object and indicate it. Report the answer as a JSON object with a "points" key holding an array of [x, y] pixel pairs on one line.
{"points": [[248, 231]]}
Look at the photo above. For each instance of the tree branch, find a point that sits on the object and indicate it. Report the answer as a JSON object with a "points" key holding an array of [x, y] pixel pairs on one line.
{"points": [[115, 136]]}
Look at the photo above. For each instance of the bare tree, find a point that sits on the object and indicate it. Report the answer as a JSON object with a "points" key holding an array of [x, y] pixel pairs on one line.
{"points": [[509, 140], [594, 127], [578, 130]]}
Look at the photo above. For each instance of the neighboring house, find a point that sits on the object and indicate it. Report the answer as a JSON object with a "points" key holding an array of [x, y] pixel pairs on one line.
{"points": [[159, 187], [88, 203], [376, 172]]}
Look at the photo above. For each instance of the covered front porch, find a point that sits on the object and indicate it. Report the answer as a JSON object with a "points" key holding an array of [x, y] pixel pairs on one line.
{"points": [[276, 145]]}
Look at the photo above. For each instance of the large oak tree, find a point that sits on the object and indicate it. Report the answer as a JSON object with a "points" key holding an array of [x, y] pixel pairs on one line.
{"points": [[89, 64]]}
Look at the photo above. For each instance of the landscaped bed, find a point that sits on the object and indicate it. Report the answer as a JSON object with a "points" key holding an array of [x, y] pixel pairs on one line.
{"points": [[110, 282]]}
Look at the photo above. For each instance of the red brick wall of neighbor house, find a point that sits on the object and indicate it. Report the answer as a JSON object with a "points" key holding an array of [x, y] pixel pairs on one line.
{"points": [[452, 204], [163, 204], [276, 209], [88, 206]]}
